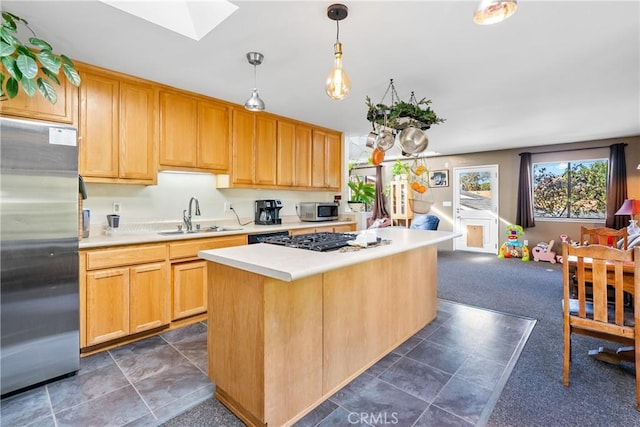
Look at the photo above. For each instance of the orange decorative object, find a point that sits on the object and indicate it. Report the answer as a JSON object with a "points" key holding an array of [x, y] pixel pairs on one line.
{"points": [[377, 156]]}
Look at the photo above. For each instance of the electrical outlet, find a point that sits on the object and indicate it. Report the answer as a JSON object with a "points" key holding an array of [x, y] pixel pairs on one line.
{"points": [[227, 206], [117, 208]]}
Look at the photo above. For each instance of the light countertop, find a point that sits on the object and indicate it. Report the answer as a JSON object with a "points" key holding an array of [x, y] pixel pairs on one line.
{"points": [[289, 264], [132, 238]]}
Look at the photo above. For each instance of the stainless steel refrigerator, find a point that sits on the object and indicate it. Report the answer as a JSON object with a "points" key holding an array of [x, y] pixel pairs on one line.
{"points": [[39, 299]]}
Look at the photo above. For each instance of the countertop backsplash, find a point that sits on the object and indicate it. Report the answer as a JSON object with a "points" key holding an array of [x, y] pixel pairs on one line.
{"points": [[151, 208]]}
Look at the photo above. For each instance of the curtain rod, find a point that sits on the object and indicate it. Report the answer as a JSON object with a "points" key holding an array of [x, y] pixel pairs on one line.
{"points": [[568, 149]]}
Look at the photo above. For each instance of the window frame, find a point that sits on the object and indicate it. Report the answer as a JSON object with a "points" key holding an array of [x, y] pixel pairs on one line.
{"points": [[569, 162]]}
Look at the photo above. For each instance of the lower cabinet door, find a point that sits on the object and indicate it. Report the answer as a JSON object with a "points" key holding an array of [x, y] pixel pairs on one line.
{"points": [[189, 289], [149, 297], [107, 305]]}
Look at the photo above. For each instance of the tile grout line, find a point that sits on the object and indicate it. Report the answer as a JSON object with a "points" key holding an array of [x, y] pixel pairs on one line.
{"points": [[185, 356], [53, 414], [134, 387]]}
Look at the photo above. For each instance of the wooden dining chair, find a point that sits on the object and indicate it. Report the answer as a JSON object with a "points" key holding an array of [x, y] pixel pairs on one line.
{"points": [[600, 317], [604, 236]]}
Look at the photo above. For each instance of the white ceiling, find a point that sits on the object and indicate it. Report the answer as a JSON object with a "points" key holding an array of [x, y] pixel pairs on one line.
{"points": [[555, 72]]}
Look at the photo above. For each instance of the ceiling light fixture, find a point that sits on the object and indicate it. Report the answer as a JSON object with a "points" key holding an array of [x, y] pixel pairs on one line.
{"points": [[494, 11], [254, 103], [338, 85]]}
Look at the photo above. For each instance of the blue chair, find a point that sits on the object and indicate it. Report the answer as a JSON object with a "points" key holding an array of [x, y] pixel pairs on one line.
{"points": [[425, 222]]}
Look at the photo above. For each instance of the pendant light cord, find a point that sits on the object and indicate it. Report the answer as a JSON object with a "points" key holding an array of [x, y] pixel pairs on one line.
{"points": [[255, 78], [337, 31]]}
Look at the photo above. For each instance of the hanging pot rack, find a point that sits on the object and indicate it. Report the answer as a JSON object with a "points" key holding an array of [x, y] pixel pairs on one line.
{"points": [[400, 115]]}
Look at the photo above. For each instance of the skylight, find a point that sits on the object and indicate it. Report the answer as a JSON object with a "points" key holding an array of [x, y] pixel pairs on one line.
{"points": [[190, 18]]}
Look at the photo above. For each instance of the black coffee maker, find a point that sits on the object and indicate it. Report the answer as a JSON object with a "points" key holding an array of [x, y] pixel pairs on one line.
{"points": [[268, 212]]}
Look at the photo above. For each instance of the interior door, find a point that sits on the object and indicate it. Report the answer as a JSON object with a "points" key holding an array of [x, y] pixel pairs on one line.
{"points": [[475, 191]]}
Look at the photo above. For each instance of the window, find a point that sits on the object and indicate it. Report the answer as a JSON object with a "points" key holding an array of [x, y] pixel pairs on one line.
{"points": [[576, 189]]}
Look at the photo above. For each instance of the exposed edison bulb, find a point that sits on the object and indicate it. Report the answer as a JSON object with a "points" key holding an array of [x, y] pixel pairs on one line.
{"points": [[338, 85]]}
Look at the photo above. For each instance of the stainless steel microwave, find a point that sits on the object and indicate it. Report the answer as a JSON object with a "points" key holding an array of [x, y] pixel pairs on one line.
{"points": [[318, 211]]}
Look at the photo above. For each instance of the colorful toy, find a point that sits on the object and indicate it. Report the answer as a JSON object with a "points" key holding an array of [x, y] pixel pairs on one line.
{"points": [[543, 252], [513, 247]]}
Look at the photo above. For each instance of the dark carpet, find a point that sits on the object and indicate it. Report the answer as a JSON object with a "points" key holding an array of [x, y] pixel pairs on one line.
{"points": [[599, 394]]}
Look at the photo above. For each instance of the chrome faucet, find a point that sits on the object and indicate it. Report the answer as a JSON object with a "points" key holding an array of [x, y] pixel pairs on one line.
{"points": [[186, 217]]}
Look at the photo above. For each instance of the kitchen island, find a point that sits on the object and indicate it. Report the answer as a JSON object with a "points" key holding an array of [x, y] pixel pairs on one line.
{"points": [[289, 327]]}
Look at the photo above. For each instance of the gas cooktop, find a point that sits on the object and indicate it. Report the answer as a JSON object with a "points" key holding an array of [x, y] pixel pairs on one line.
{"points": [[320, 242]]}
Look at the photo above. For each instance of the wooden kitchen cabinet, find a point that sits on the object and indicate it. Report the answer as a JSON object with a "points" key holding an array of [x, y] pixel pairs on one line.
{"points": [[273, 152], [326, 160], [213, 136], [265, 141], [149, 297], [117, 128], [189, 289], [189, 273], [194, 133], [293, 155], [178, 130], [303, 156], [254, 141], [124, 291], [286, 154], [65, 110], [242, 130], [107, 305]]}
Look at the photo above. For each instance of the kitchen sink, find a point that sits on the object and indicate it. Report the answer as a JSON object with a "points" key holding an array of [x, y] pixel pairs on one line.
{"points": [[198, 231]]}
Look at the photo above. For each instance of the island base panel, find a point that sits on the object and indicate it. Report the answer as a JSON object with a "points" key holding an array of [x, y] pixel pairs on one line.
{"points": [[372, 307], [239, 411], [265, 343], [278, 349]]}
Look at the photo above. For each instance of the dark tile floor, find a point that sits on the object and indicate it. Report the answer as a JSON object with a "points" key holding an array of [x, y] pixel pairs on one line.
{"points": [[139, 384], [448, 374]]}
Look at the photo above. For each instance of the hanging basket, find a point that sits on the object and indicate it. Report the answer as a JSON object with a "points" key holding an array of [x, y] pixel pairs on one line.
{"points": [[421, 203], [420, 206]]}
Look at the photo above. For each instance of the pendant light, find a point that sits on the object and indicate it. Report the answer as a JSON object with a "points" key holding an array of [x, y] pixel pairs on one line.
{"points": [[494, 11], [254, 103], [338, 85]]}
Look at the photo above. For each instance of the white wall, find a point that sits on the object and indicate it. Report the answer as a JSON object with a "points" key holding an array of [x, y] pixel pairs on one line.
{"points": [[167, 200]]}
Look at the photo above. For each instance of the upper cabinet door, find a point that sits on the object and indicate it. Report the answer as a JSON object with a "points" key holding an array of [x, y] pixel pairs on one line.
{"points": [[242, 134], [117, 128], [333, 171], [318, 157], [213, 136], [137, 131], [178, 130], [327, 160], [99, 123], [265, 150], [303, 156], [286, 153]]}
